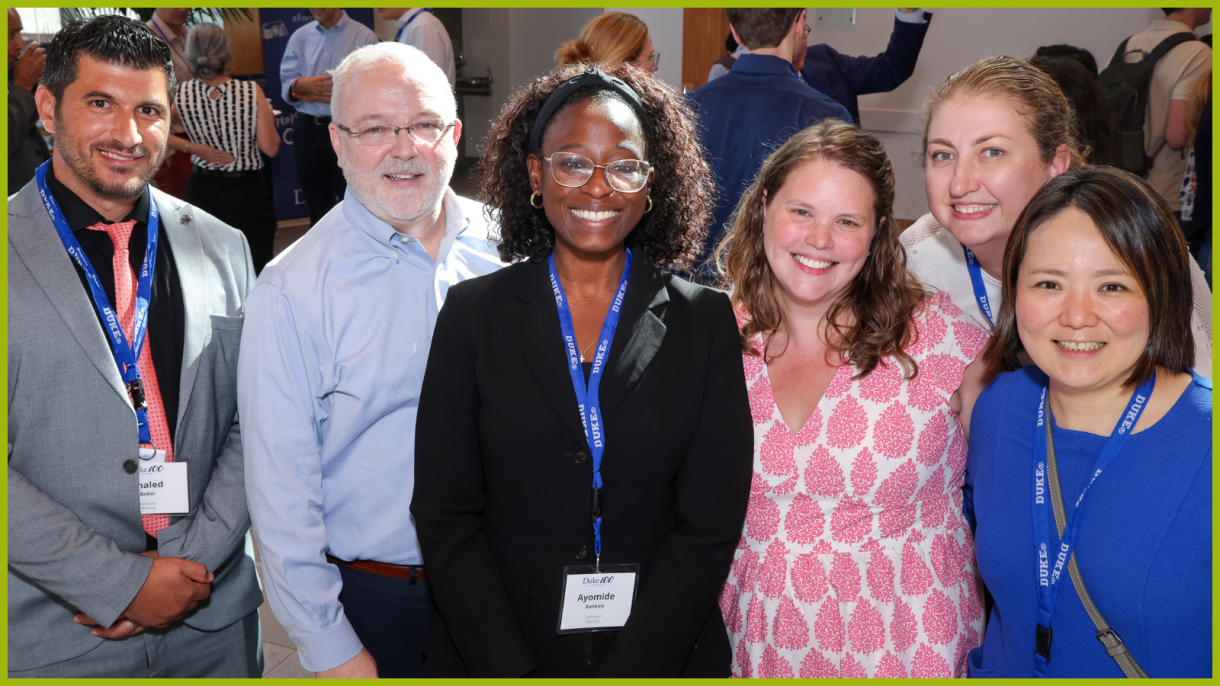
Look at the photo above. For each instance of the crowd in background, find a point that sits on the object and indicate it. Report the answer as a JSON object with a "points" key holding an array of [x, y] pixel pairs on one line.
{"points": [[675, 396]]}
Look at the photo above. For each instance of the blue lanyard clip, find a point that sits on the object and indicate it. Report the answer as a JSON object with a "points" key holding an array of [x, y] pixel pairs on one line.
{"points": [[136, 389], [1042, 641]]}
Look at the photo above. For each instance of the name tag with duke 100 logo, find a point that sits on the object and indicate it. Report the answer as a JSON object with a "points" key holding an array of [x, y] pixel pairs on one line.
{"points": [[597, 599], [163, 487]]}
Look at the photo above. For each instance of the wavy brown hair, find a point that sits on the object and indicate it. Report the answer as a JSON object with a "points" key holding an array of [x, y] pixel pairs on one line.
{"points": [[682, 188], [874, 317], [609, 37], [1036, 95]]}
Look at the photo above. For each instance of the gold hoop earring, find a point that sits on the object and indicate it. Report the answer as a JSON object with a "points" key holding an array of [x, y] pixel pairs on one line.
{"points": [[649, 207], [536, 195]]}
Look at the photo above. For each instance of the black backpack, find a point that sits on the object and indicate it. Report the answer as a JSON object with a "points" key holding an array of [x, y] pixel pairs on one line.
{"points": [[1125, 87]]}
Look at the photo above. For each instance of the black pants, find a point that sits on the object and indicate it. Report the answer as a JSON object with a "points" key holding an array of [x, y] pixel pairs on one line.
{"points": [[241, 200], [391, 617], [322, 181]]}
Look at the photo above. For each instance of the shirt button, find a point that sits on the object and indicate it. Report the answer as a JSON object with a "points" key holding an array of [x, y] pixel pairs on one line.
{"points": [[302, 649], [130, 466], [582, 458], [915, 251], [405, 239], [582, 553]]}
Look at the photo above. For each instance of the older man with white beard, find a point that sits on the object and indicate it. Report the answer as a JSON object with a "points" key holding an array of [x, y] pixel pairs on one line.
{"points": [[332, 360]]}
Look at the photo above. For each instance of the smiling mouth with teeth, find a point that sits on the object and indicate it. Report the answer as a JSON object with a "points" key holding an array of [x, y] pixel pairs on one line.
{"points": [[1081, 347], [973, 209], [401, 177], [595, 216], [114, 156], [813, 264]]}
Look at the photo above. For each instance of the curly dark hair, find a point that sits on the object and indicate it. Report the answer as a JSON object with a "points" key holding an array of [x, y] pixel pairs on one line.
{"points": [[682, 190]]}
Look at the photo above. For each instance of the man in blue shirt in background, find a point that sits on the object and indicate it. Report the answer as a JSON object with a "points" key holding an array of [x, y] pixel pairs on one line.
{"points": [[746, 114], [314, 50], [333, 351]]}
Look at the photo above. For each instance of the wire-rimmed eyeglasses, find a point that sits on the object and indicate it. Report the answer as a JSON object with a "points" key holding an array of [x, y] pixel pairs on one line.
{"points": [[427, 132], [572, 170]]}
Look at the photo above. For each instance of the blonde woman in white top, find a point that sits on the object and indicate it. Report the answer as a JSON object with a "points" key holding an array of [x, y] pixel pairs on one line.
{"points": [[993, 134]]}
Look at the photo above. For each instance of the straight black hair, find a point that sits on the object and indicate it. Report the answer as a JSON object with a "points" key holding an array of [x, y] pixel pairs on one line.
{"points": [[109, 38]]}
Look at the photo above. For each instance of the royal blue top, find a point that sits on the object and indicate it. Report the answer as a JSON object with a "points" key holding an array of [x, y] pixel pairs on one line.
{"points": [[1144, 546]]}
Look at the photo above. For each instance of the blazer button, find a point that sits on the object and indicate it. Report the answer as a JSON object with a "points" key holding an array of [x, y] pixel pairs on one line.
{"points": [[582, 458], [582, 553], [130, 466]]}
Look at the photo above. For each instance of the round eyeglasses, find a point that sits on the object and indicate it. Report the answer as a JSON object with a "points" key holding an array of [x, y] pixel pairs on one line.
{"points": [[572, 170], [427, 132]]}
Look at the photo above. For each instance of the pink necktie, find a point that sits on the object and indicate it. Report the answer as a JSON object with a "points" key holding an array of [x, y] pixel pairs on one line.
{"points": [[124, 302]]}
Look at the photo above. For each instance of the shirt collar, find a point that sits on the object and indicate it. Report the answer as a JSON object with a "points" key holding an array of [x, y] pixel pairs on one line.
{"points": [[764, 64], [406, 16], [357, 214], [1168, 25], [339, 25], [80, 215]]}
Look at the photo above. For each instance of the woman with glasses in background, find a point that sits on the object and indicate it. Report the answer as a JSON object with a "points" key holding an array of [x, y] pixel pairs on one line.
{"points": [[612, 37], [584, 442]]}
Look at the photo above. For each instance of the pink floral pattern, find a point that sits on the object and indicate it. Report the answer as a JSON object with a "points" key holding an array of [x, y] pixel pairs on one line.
{"points": [[856, 560]]}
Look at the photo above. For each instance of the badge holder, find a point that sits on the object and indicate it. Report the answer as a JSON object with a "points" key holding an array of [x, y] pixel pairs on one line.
{"points": [[597, 598]]}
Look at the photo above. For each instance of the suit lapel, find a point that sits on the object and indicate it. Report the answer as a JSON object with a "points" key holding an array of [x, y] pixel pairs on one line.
{"points": [[536, 328], [189, 260], [640, 333], [34, 239]]}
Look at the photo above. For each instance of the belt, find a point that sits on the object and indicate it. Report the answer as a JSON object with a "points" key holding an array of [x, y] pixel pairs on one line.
{"points": [[411, 572], [320, 121]]}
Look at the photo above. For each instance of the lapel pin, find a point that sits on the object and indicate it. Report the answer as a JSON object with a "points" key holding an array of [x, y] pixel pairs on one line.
{"points": [[186, 219]]}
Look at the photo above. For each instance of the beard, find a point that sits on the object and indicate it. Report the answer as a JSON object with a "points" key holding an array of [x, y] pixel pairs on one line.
{"points": [[80, 161], [397, 206]]}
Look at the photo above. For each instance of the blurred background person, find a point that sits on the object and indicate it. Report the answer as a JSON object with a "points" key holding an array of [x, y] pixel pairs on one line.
{"points": [[724, 64], [847, 361], [1062, 50], [595, 187], [1094, 132], [1196, 220], [994, 132], [169, 23], [216, 110], [26, 147], [1109, 421], [418, 27], [612, 37], [314, 51]]}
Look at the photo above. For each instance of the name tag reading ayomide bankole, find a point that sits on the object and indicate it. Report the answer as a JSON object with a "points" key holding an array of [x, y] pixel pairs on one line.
{"points": [[163, 488], [597, 600]]}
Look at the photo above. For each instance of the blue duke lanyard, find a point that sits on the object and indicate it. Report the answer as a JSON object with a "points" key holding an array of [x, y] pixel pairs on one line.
{"points": [[125, 355], [976, 280], [1049, 575], [587, 398], [398, 36]]}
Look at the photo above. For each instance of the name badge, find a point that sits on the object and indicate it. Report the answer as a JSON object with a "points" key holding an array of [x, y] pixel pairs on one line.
{"points": [[163, 487], [597, 599]]}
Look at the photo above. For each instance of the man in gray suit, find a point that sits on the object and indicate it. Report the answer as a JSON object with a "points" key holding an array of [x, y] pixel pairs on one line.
{"points": [[128, 546]]}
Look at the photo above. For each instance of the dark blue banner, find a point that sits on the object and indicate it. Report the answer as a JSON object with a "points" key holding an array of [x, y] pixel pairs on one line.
{"points": [[278, 25]]}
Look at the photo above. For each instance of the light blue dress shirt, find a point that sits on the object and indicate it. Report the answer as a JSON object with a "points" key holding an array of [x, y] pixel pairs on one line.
{"points": [[332, 360], [313, 49]]}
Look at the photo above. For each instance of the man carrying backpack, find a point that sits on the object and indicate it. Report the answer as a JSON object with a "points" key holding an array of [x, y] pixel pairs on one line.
{"points": [[1166, 92]]}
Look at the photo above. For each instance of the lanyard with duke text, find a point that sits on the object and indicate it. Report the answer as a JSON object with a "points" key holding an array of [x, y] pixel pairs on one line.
{"points": [[398, 36], [1049, 575], [587, 398], [976, 280], [125, 355]]}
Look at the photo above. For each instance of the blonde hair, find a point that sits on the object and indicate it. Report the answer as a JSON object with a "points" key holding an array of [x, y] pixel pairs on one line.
{"points": [[610, 37], [873, 319], [1199, 95], [1038, 97]]}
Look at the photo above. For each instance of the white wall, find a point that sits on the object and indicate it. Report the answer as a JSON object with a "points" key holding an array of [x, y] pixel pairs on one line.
{"points": [[956, 39]]}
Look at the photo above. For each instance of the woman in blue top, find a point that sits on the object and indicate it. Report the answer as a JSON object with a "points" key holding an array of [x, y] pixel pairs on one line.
{"points": [[1096, 291]]}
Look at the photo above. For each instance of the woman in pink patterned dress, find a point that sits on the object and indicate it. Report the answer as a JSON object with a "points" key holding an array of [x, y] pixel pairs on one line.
{"points": [[856, 560]]}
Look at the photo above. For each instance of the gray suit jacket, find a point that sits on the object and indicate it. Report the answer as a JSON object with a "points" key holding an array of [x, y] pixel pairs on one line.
{"points": [[74, 528]]}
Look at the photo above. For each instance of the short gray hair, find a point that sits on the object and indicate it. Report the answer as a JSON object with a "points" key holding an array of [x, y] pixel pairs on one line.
{"points": [[207, 51], [414, 62]]}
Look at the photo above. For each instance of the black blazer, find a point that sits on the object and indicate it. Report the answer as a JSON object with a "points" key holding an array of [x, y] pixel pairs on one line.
{"points": [[503, 483]]}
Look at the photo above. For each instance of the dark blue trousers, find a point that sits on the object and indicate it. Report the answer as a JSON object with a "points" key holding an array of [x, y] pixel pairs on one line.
{"points": [[390, 616]]}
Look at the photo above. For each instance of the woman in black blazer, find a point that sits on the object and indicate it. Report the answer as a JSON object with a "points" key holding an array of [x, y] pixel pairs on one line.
{"points": [[610, 185]]}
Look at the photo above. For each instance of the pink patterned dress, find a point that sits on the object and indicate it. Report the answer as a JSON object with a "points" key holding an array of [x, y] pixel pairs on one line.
{"points": [[856, 559]]}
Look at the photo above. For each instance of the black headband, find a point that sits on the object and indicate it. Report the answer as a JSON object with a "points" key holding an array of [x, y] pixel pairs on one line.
{"points": [[592, 77]]}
